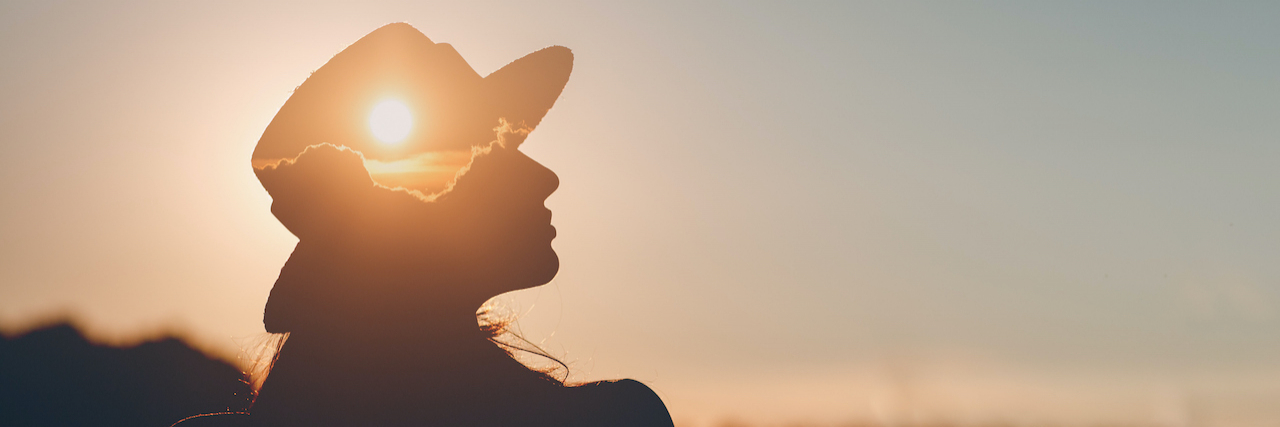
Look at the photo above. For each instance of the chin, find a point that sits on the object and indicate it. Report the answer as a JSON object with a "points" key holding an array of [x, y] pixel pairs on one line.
{"points": [[552, 267], [517, 270], [543, 267]]}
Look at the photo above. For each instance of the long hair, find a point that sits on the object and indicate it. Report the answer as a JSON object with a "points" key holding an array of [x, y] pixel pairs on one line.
{"points": [[503, 327], [258, 355]]}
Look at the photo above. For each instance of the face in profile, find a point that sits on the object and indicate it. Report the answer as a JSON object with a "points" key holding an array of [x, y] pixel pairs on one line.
{"points": [[399, 170], [495, 211]]}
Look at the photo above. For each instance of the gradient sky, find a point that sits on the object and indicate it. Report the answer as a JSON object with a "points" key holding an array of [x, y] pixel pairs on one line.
{"points": [[886, 212]]}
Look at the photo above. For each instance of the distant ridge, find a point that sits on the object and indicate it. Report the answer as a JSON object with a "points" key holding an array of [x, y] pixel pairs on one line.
{"points": [[53, 376]]}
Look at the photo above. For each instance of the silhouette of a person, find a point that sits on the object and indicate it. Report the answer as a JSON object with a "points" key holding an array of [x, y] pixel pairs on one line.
{"points": [[401, 241]]}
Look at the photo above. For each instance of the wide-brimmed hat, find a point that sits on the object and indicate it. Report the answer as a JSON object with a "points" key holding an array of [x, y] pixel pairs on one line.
{"points": [[451, 106]]}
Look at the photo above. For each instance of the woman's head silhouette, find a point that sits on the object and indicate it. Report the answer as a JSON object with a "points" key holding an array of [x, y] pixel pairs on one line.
{"points": [[398, 168], [455, 201]]}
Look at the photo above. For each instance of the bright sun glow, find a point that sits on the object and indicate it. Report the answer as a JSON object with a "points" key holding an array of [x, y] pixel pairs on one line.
{"points": [[390, 121]]}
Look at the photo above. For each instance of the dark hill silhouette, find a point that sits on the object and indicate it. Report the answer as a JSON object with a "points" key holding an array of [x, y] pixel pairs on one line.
{"points": [[55, 377]]}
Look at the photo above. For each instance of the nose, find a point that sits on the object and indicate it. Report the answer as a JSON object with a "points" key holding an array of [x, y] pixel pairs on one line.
{"points": [[529, 180], [544, 181]]}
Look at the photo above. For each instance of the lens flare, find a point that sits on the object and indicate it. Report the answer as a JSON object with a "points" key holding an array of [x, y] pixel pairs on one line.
{"points": [[390, 121]]}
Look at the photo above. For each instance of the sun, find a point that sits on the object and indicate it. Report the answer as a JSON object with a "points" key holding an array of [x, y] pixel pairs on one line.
{"points": [[390, 121]]}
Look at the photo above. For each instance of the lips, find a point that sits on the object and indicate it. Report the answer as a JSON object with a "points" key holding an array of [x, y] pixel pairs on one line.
{"points": [[546, 219]]}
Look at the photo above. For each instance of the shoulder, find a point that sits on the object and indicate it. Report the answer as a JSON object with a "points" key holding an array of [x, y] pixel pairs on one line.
{"points": [[621, 403]]}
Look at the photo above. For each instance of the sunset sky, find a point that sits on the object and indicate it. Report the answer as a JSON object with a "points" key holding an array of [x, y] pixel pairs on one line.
{"points": [[770, 213]]}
